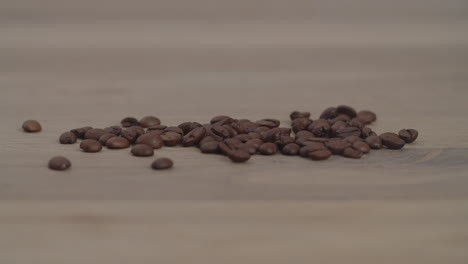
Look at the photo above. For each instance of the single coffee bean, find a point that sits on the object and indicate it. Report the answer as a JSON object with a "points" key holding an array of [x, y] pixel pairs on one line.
{"points": [[174, 129], [301, 123], [269, 122], [366, 132], [271, 135], [243, 137], [117, 143], [314, 146], [297, 114], [366, 117], [328, 113], [337, 125], [162, 164], [232, 142], [348, 131], [94, 133], [352, 139], [319, 128], [67, 138], [284, 140], [114, 130], [352, 153], [251, 149], [90, 145], [374, 142], [268, 148], [149, 121], [392, 140], [230, 130], [129, 122], [151, 139], [355, 123], [220, 120], [31, 126], [80, 132], [238, 127], [207, 139], [132, 133], [256, 142], [361, 146], [337, 146], [209, 147], [238, 155], [346, 110], [221, 131], [188, 126], [142, 150], [320, 154], [408, 135], [193, 137], [304, 133], [59, 163], [290, 149], [103, 139], [224, 148], [171, 139]]}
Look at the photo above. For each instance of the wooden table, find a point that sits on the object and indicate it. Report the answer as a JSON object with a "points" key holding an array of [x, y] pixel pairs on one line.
{"points": [[74, 63]]}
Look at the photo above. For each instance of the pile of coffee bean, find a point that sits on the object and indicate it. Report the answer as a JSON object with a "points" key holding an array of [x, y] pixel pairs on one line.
{"points": [[338, 130]]}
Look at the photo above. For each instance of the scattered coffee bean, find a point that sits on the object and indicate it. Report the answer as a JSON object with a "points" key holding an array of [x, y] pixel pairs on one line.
{"points": [[352, 139], [408, 135], [149, 121], [31, 126], [59, 163], [94, 133], [301, 123], [268, 148], [312, 147], [103, 139], [117, 143], [142, 150], [290, 149], [355, 123], [90, 145], [352, 153], [67, 138], [80, 132], [162, 164], [151, 139], [129, 122], [156, 127], [392, 140]]}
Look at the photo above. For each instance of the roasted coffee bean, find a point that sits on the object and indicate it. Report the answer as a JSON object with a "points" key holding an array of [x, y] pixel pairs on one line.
{"points": [[117, 143], [304, 133], [114, 130], [171, 139], [220, 118], [255, 135], [209, 147], [346, 110], [337, 146], [268, 148], [188, 126], [221, 131], [90, 145], [284, 140], [193, 137], [408, 135], [157, 128], [31, 126], [238, 127], [149, 121], [374, 142], [174, 129], [251, 149], [314, 139], [151, 139], [366, 117], [301, 140], [392, 140], [207, 139], [243, 137], [162, 164], [129, 134], [297, 114], [348, 131], [361, 146], [355, 123], [304, 151], [67, 138], [232, 142], [250, 127], [256, 142], [238, 155], [271, 135], [59, 163], [285, 131], [337, 125], [320, 154], [103, 139], [352, 139], [290, 149], [366, 132], [328, 113], [224, 148], [142, 150], [269, 122], [340, 117], [80, 132], [129, 122], [262, 129], [94, 133], [320, 128], [352, 153], [301, 123]]}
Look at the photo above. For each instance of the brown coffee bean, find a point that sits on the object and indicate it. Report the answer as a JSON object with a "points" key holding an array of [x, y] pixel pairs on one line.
{"points": [[352, 153], [392, 140], [251, 149], [59, 163], [337, 146], [300, 124], [268, 148], [340, 117], [352, 139], [142, 150], [94, 133], [132, 133], [255, 135], [320, 154], [269, 122], [374, 142], [284, 140], [221, 131], [171, 139], [149, 121], [238, 127], [90, 145], [319, 128], [209, 147], [408, 135], [67, 138], [304, 133], [232, 142], [271, 135], [262, 129], [129, 122], [31, 126], [114, 130], [348, 131], [80, 132], [161, 128], [151, 139], [103, 139], [366, 117], [361, 146], [238, 155], [188, 126], [207, 139], [328, 113], [117, 143], [297, 114], [174, 129], [290, 149], [337, 125], [314, 146], [220, 119], [355, 123], [243, 137], [366, 132], [162, 164], [256, 142], [346, 110], [193, 137]]}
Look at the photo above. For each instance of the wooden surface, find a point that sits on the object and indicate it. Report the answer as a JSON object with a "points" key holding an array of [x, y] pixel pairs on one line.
{"points": [[75, 63]]}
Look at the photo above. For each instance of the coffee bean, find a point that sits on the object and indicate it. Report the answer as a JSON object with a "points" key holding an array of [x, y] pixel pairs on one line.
{"points": [[149, 121], [268, 148], [256, 142], [207, 139], [312, 140], [319, 128], [346, 110], [114, 130], [315, 146], [243, 137], [251, 149], [209, 147], [328, 113], [132, 133], [142, 150], [337, 146], [31, 126], [355, 123], [366, 132], [238, 127], [162, 164], [238, 155], [290, 149], [408, 135], [352, 153], [161, 128], [301, 123], [366, 117], [232, 142], [352, 139], [297, 114], [348, 131], [117, 143], [361, 146], [129, 122], [221, 131], [374, 142], [94, 133], [271, 135], [337, 125], [103, 139], [392, 140], [59, 163], [269, 122], [304, 133], [284, 140], [255, 135], [188, 126], [285, 131], [171, 139], [262, 129], [320, 154], [90, 145], [80, 132], [174, 129], [151, 139], [340, 117], [221, 120], [67, 138], [193, 137]]}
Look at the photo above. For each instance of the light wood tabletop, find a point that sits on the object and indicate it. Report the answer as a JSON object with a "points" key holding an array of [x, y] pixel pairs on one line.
{"points": [[70, 64]]}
